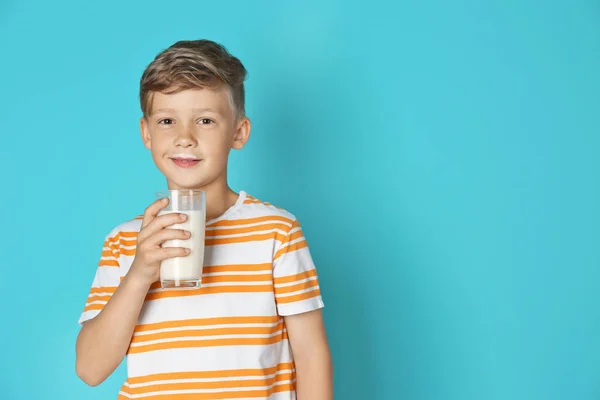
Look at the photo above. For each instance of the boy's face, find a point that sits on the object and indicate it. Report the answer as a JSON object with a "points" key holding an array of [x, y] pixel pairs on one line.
{"points": [[190, 134]]}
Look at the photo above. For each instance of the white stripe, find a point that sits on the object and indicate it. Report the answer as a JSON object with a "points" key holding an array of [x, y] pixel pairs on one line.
{"points": [[176, 360], [95, 302], [212, 228], [122, 393], [225, 273], [132, 247], [205, 338], [302, 239], [246, 234], [208, 306], [238, 283], [217, 284], [205, 327], [198, 380], [220, 390], [296, 229], [100, 294]]}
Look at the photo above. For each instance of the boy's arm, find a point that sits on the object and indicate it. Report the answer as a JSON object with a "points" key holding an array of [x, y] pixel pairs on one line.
{"points": [[314, 367], [103, 340]]}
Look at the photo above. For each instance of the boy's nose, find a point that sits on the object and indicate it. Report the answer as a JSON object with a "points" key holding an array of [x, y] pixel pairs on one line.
{"points": [[185, 139]]}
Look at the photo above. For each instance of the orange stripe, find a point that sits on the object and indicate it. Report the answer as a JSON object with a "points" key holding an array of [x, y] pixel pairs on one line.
{"points": [[247, 221], [119, 243], [231, 373], [113, 247], [237, 278], [263, 227], [208, 332], [209, 290], [295, 225], [233, 384], [128, 243], [296, 235], [183, 344], [103, 289], [299, 297], [293, 278], [242, 239], [237, 268], [251, 201], [94, 307], [128, 235], [122, 241], [217, 279], [295, 288], [245, 394], [107, 253], [127, 252], [291, 248], [226, 278], [207, 322], [108, 263], [98, 298]]}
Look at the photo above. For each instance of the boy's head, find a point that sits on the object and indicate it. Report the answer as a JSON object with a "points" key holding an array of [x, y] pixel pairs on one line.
{"points": [[192, 99]]}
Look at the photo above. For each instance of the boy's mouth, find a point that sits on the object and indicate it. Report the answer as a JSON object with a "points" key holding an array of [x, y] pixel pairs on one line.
{"points": [[185, 161]]}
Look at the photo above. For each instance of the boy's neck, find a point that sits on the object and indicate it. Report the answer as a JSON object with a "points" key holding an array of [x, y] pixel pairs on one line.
{"points": [[219, 200]]}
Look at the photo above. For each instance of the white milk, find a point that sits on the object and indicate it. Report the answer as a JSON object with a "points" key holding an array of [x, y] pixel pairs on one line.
{"points": [[188, 267]]}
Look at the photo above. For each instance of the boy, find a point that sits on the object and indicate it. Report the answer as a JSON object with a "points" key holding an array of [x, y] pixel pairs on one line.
{"points": [[254, 329]]}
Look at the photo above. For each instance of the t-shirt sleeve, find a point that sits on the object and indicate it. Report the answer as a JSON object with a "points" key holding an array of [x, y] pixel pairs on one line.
{"points": [[106, 279], [295, 278]]}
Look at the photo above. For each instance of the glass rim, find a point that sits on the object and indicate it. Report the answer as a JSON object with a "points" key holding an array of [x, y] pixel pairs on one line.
{"points": [[170, 192]]}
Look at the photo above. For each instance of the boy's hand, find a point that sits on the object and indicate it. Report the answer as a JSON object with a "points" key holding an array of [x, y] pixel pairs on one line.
{"points": [[145, 268]]}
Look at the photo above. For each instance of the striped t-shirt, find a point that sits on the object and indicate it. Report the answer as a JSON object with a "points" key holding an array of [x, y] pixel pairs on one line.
{"points": [[226, 339]]}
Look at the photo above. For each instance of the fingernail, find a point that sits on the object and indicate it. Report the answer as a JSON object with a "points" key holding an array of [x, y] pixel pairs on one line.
{"points": [[182, 216], [187, 251]]}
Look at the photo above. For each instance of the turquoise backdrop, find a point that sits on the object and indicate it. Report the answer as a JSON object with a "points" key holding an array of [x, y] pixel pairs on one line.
{"points": [[443, 158]]}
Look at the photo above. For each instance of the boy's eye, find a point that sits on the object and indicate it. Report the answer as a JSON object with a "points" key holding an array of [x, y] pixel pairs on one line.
{"points": [[206, 121], [166, 121]]}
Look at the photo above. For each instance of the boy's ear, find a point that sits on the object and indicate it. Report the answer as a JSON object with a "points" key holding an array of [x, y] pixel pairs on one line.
{"points": [[145, 132], [242, 133]]}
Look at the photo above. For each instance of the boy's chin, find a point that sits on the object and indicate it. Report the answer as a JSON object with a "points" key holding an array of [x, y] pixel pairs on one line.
{"points": [[185, 184]]}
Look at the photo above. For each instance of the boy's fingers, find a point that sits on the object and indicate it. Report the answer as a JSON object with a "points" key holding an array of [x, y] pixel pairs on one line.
{"points": [[158, 238], [158, 223], [168, 252], [153, 210]]}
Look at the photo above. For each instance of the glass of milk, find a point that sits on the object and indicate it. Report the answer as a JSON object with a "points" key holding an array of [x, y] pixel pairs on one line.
{"points": [[185, 272]]}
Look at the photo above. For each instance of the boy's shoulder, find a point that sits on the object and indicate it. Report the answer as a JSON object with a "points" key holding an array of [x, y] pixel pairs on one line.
{"points": [[254, 207]]}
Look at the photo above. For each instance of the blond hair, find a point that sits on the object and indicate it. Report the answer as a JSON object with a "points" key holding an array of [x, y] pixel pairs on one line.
{"points": [[194, 64]]}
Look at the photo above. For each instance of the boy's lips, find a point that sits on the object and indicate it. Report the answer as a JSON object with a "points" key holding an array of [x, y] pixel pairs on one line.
{"points": [[185, 161]]}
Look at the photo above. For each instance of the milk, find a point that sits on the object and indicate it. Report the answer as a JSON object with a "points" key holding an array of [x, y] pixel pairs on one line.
{"points": [[185, 271]]}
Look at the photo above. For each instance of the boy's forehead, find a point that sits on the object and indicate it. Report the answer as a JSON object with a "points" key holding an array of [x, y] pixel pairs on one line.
{"points": [[197, 100]]}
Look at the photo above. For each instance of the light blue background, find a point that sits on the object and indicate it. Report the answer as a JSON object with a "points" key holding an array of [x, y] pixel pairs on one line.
{"points": [[443, 158]]}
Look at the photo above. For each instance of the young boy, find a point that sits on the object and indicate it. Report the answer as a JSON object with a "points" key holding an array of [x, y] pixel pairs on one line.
{"points": [[254, 328]]}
